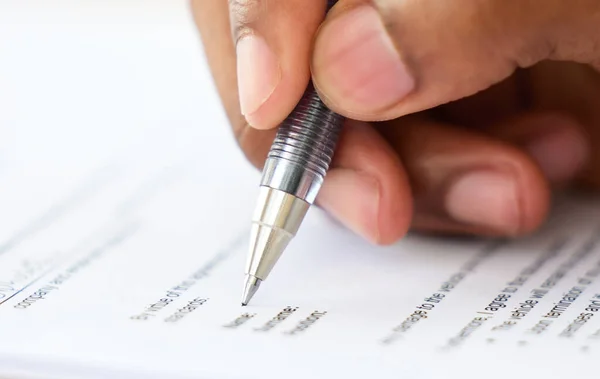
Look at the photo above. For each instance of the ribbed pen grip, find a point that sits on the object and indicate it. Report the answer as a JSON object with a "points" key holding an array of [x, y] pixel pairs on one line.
{"points": [[308, 136], [303, 148]]}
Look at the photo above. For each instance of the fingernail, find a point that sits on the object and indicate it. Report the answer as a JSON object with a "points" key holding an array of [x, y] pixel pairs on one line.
{"points": [[356, 61], [486, 198], [560, 154], [353, 199], [258, 73]]}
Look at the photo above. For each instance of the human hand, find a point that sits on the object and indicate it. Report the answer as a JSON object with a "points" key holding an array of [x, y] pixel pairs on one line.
{"points": [[462, 121]]}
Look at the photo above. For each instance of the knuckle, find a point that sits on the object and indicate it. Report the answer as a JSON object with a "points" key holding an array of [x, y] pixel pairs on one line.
{"points": [[244, 13]]}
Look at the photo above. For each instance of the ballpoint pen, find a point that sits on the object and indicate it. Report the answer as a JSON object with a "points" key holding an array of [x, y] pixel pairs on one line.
{"points": [[291, 179]]}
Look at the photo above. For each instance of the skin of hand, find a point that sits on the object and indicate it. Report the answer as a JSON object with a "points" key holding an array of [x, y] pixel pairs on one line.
{"points": [[461, 119]]}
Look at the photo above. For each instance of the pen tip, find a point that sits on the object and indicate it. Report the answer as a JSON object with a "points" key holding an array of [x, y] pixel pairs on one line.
{"points": [[251, 285]]}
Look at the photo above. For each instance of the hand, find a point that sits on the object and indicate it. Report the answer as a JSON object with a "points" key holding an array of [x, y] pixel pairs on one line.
{"points": [[463, 119]]}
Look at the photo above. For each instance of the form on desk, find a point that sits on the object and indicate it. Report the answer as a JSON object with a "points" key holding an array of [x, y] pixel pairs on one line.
{"points": [[137, 272], [136, 269], [123, 239]]}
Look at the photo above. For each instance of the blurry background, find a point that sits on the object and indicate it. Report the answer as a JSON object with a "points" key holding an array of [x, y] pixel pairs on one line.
{"points": [[81, 80]]}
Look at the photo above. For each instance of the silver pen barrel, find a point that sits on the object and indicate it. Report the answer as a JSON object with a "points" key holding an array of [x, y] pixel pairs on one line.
{"points": [[292, 177]]}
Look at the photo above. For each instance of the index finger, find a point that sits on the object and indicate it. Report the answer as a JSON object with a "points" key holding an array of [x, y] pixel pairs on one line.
{"points": [[273, 40]]}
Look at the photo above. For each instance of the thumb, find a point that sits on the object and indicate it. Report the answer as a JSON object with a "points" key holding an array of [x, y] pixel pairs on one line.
{"points": [[273, 43], [381, 59]]}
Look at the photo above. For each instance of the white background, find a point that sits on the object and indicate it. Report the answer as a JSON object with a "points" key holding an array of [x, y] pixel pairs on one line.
{"points": [[81, 79]]}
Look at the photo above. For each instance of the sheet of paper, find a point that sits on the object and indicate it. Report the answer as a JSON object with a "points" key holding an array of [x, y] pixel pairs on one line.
{"points": [[144, 277], [123, 238]]}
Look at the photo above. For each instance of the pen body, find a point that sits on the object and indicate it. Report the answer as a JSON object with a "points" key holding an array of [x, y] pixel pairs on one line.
{"points": [[292, 177], [303, 148]]}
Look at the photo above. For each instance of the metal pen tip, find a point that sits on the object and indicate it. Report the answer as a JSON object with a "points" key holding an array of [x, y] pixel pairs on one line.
{"points": [[251, 285]]}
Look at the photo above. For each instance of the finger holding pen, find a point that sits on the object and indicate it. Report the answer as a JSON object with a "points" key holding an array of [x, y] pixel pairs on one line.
{"points": [[273, 41], [366, 187]]}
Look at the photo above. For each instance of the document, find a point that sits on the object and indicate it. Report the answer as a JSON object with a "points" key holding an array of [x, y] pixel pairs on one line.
{"points": [[123, 238], [136, 269]]}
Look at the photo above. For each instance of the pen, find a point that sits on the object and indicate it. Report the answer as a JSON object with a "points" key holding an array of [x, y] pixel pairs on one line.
{"points": [[291, 179]]}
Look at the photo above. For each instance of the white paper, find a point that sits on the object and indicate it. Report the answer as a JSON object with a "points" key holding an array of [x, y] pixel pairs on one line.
{"points": [[123, 237]]}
